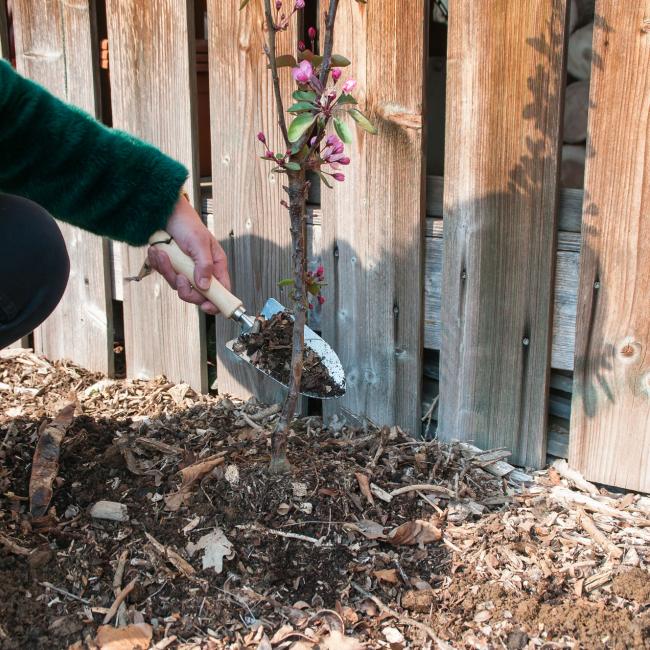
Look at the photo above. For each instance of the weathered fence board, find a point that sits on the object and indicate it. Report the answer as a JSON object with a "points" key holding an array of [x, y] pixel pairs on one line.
{"points": [[4, 30], [610, 424], [153, 91], [500, 206], [55, 46], [564, 303], [373, 224], [249, 221]]}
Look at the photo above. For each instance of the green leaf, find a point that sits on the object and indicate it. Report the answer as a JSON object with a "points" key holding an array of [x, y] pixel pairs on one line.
{"points": [[279, 156], [243, 4], [314, 289], [342, 130], [300, 125], [304, 96], [301, 107], [339, 61], [324, 179], [284, 61], [287, 282], [363, 121], [346, 99], [293, 166]]}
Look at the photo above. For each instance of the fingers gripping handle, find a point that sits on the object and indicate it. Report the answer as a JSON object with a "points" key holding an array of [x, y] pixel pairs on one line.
{"points": [[217, 294]]}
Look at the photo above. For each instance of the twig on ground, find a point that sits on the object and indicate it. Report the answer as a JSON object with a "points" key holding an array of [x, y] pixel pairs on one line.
{"points": [[117, 586], [251, 423], [119, 600], [405, 620], [422, 487], [11, 546], [266, 413], [63, 592], [598, 536]]}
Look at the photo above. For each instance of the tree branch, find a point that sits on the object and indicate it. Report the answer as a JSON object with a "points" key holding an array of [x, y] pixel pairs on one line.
{"points": [[329, 41], [270, 51]]}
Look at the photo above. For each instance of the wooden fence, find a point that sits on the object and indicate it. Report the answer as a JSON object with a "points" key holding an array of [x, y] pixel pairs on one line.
{"points": [[511, 295]]}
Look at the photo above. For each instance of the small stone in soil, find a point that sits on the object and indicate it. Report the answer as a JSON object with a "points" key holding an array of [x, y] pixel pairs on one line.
{"points": [[269, 349]]}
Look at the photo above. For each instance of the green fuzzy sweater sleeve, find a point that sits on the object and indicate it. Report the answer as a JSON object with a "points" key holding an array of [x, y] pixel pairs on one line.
{"points": [[99, 179]]}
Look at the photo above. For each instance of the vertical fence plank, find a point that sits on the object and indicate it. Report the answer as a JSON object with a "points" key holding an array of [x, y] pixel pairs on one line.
{"points": [[249, 221], [55, 46], [610, 423], [4, 30], [505, 74], [373, 223], [153, 93]]}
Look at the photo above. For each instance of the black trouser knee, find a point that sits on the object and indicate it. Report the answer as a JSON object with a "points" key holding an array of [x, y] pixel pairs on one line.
{"points": [[34, 267]]}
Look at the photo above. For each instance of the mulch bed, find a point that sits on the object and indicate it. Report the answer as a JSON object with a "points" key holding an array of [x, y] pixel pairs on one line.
{"points": [[374, 541]]}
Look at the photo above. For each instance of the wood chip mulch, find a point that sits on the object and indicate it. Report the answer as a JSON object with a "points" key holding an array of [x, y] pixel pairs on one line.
{"points": [[151, 522]]}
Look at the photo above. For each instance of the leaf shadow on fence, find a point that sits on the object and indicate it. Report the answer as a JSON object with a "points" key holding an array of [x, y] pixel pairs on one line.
{"points": [[498, 266], [593, 386]]}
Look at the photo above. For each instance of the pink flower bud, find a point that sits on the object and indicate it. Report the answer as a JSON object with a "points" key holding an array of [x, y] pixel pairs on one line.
{"points": [[261, 137], [278, 4], [313, 141], [338, 177], [269, 154], [311, 32], [344, 161], [300, 4], [302, 74], [349, 86], [336, 73], [311, 306], [320, 271], [321, 299], [301, 46]]}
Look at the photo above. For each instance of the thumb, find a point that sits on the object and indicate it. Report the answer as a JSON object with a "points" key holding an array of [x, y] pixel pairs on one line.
{"points": [[203, 265]]}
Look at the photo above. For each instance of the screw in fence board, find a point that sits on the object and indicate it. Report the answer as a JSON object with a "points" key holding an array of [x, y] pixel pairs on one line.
{"points": [[153, 94], [55, 46], [249, 221], [504, 114], [373, 223], [610, 424]]}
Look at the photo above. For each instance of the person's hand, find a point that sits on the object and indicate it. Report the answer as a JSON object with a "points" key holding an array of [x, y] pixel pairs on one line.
{"points": [[195, 240]]}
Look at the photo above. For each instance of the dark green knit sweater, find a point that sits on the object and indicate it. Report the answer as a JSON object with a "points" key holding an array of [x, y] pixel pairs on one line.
{"points": [[99, 179]]}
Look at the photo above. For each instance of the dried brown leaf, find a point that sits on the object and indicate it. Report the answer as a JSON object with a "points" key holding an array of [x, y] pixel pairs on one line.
{"points": [[387, 575], [131, 637], [368, 528], [189, 476], [415, 532]]}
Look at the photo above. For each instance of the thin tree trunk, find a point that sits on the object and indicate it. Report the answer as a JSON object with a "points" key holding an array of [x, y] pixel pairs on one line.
{"points": [[297, 196]]}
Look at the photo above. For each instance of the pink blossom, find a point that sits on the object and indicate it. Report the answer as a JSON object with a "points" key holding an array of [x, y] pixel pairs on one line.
{"points": [[261, 137], [303, 73], [338, 177], [333, 144], [336, 73], [311, 32], [300, 4], [349, 86]]}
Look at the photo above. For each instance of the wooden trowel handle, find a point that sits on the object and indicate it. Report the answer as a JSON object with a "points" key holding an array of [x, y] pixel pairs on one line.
{"points": [[217, 294]]}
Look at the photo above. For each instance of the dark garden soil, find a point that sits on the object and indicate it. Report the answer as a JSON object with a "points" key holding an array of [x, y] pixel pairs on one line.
{"points": [[269, 349], [374, 541]]}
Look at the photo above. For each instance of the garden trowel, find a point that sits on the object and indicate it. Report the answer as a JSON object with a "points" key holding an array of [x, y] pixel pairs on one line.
{"points": [[232, 307]]}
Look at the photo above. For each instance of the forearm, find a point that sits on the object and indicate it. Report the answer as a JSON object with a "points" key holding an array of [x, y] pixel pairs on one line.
{"points": [[81, 172]]}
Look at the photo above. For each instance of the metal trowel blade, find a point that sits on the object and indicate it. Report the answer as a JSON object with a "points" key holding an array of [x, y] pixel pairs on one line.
{"points": [[312, 341]]}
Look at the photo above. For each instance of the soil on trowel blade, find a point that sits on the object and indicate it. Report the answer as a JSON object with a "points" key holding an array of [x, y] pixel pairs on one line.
{"points": [[269, 349]]}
